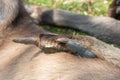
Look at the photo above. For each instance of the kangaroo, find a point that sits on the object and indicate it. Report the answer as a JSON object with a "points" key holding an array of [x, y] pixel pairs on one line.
{"points": [[28, 62]]}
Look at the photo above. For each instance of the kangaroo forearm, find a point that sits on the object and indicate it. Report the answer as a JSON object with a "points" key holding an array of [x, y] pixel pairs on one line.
{"points": [[101, 27]]}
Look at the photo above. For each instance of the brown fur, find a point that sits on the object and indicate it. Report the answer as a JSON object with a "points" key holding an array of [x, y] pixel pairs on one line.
{"points": [[25, 62], [114, 9]]}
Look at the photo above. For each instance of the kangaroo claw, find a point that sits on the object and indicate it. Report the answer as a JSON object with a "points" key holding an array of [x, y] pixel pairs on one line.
{"points": [[51, 43], [76, 48], [26, 40]]}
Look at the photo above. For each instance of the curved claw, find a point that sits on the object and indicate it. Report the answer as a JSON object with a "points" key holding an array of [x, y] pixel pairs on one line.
{"points": [[34, 40], [26, 40], [76, 48]]}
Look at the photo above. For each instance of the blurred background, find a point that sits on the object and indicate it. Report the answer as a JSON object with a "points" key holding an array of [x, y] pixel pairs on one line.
{"points": [[91, 7]]}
